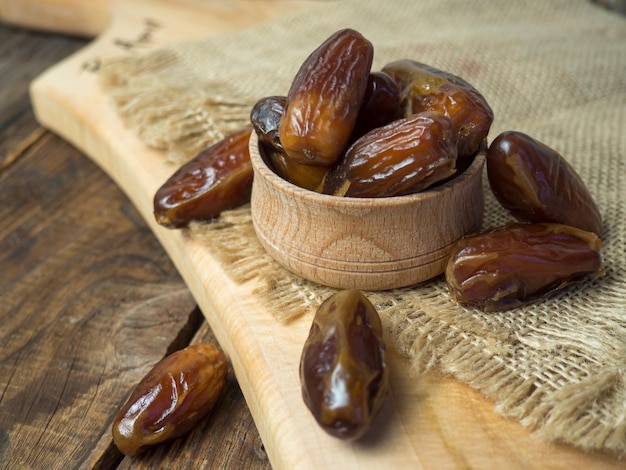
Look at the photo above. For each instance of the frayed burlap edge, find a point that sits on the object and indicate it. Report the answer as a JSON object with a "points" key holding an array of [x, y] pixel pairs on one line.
{"points": [[432, 342], [172, 111]]}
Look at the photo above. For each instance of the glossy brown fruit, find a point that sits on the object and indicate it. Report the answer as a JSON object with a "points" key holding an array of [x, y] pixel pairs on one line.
{"points": [[324, 99], [425, 88], [217, 179], [342, 369], [513, 265], [306, 176], [536, 184], [381, 104], [172, 399], [403, 157], [265, 117]]}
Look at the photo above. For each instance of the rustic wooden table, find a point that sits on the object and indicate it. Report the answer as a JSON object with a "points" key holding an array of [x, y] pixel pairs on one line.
{"points": [[89, 300]]}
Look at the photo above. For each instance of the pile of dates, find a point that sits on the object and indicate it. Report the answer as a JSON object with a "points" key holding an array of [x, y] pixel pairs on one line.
{"points": [[346, 130], [342, 129]]}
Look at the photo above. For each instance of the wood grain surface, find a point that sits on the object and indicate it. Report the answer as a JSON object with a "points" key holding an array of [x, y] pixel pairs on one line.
{"points": [[428, 422], [89, 300], [364, 243]]}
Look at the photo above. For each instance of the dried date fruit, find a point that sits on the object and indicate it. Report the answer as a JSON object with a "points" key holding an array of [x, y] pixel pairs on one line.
{"points": [[516, 264], [536, 184], [425, 88], [381, 104], [265, 117], [171, 399], [306, 176], [403, 157], [217, 179], [342, 368], [324, 99]]}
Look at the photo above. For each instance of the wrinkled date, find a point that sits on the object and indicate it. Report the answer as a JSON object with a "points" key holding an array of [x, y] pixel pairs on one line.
{"points": [[403, 157], [342, 367], [265, 118], [172, 399], [217, 179], [324, 99], [513, 265], [536, 184], [425, 88]]}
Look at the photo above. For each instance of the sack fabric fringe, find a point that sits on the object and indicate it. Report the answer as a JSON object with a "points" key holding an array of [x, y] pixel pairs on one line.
{"points": [[555, 70], [173, 111], [486, 351]]}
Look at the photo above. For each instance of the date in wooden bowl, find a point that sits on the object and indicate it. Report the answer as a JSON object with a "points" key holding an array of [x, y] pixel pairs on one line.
{"points": [[364, 243]]}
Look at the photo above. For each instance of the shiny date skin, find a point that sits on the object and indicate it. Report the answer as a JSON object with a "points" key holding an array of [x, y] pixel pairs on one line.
{"points": [[324, 99], [381, 104], [217, 179], [517, 264], [536, 184], [342, 368], [265, 117], [403, 157], [305, 176], [426, 88], [171, 399]]}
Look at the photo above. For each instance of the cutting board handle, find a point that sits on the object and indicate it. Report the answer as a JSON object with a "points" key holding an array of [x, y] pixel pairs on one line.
{"points": [[73, 17]]}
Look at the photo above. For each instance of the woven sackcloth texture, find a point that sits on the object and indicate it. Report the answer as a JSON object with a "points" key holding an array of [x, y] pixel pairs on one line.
{"points": [[553, 69]]}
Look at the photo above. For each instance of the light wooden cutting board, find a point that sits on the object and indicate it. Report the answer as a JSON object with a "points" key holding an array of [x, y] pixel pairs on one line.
{"points": [[433, 422]]}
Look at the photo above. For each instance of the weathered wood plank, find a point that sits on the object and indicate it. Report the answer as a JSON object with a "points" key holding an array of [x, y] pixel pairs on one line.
{"points": [[23, 55], [89, 302], [88, 299], [226, 439]]}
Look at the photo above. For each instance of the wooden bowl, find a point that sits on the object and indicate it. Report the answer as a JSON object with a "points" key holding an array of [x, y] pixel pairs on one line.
{"points": [[364, 243]]}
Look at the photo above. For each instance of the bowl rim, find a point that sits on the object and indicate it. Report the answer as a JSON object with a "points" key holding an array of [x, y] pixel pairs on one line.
{"points": [[263, 170]]}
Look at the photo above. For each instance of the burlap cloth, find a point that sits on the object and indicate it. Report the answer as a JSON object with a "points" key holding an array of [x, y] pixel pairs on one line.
{"points": [[553, 69]]}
